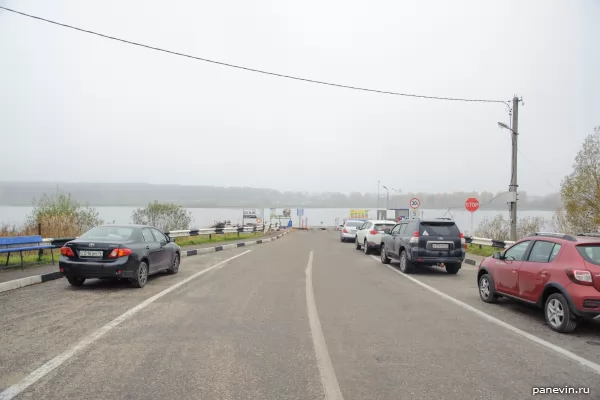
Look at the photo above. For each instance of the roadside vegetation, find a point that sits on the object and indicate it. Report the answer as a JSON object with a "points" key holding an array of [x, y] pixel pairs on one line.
{"points": [[60, 216], [484, 251]]}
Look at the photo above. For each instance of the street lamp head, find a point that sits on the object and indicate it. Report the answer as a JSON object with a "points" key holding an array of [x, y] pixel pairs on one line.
{"points": [[503, 125], [385, 187]]}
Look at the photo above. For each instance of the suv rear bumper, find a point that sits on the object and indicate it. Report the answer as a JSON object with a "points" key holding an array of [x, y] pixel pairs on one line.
{"points": [[415, 258]]}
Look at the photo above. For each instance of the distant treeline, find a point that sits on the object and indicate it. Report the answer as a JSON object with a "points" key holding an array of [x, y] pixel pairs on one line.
{"points": [[136, 194]]}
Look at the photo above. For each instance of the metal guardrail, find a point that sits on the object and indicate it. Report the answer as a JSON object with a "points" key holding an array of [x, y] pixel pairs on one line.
{"points": [[59, 242], [501, 244]]}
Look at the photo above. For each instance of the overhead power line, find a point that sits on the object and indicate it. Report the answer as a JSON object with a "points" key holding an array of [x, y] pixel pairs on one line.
{"points": [[251, 69]]}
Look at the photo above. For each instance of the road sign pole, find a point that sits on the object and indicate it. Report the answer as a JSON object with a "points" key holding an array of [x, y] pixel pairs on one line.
{"points": [[471, 231]]}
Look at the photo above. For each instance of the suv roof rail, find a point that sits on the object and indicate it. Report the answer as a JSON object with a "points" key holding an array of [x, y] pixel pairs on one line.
{"points": [[565, 236]]}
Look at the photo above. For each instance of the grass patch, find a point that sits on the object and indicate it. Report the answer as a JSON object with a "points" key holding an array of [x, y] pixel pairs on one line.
{"points": [[484, 251], [29, 258], [215, 238]]}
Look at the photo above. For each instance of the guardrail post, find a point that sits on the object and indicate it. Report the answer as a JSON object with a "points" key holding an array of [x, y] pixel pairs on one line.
{"points": [[209, 237], [40, 251]]}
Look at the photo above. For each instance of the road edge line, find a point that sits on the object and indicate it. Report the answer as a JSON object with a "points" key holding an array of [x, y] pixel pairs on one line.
{"points": [[560, 350], [326, 371], [49, 366]]}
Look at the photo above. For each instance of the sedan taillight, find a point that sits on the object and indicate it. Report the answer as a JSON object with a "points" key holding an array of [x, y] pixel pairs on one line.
{"points": [[116, 253], [373, 232], [345, 230], [66, 251]]}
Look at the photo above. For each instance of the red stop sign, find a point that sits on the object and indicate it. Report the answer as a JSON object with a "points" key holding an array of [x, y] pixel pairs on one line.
{"points": [[472, 204]]}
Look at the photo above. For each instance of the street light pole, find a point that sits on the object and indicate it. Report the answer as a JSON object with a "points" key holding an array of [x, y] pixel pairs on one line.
{"points": [[513, 178], [513, 182], [387, 199]]}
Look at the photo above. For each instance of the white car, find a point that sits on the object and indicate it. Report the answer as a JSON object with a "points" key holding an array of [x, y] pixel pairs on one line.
{"points": [[369, 234], [348, 232]]}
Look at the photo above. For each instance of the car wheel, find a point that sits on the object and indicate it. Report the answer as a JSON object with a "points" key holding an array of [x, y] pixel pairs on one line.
{"points": [[452, 269], [384, 258], [366, 247], [487, 293], [405, 265], [357, 245], [558, 314], [175, 266], [342, 239], [76, 281], [141, 275]]}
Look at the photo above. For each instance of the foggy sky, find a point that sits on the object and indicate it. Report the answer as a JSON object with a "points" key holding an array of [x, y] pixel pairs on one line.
{"points": [[75, 107]]}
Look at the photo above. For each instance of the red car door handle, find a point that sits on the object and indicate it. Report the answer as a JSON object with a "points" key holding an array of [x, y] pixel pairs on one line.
{"points": [[514, 271], [544, 273]]}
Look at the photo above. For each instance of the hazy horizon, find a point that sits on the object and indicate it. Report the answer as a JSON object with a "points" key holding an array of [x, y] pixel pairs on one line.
{"points": [[83, 108]]}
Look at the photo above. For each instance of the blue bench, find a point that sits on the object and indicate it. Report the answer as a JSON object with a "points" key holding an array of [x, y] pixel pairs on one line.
{"points": [[14, 244]]}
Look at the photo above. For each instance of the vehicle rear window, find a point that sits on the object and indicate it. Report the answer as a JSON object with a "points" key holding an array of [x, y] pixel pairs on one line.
{"points": [[590, 253], [108, 233], [439, 229], [382, 227], [354, 223]]}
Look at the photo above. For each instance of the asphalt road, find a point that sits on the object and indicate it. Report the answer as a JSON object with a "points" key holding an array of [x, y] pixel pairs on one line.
{"points": [[304, 317]]}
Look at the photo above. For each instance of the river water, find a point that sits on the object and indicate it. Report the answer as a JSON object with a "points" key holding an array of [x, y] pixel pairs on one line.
{"points": [[203, 217]]}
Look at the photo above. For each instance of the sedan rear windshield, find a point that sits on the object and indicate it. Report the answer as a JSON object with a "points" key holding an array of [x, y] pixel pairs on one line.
{"points": [[382, 227], [439, 229], [354, 223], [108, 233], [590, 253]]}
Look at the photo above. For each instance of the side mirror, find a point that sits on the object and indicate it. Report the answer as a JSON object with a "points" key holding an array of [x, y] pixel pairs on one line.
{"points": [[497, 255], [342, 225], [387, 231]]}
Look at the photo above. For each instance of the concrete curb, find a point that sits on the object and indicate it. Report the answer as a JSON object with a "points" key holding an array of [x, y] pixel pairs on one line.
{"points": [[34, 280], [470, 261]]}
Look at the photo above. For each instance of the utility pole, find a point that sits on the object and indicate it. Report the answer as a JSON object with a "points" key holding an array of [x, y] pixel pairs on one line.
{"points": [[513, 181]]}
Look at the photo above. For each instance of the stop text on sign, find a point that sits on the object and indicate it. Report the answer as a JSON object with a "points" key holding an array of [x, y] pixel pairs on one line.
{"points": [[472, 204]]}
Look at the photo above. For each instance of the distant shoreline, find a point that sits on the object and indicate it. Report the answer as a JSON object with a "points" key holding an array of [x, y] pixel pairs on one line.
{"points": [[522, 207]]}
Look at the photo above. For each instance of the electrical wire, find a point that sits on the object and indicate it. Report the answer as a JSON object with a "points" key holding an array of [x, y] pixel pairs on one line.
{"points": [[539, 170], [250, 69]]}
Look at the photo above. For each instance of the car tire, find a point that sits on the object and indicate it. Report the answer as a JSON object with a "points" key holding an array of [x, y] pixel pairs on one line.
{"points": [[384, 258], [487, 292], [405, 265], [357, 245], [453, 269], [76, 281], [141, 275], [342, 239], [558, 314], [366, 248], [175, 265]]}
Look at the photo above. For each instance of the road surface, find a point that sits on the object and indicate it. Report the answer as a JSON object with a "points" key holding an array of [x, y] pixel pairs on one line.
{"points": [[304, 317]]}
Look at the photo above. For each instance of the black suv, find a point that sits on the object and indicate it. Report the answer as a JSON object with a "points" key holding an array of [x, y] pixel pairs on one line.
{"points": [[423, 242]]}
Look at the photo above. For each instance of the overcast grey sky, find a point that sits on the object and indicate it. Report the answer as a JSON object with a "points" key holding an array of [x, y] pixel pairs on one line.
{"points": [[75, 107]]}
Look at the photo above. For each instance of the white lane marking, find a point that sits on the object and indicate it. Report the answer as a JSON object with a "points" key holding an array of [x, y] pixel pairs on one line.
{"points": [[57, 361], [328, 378], [574, 357]]}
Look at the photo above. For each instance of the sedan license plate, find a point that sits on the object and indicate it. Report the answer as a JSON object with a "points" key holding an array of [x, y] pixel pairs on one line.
{"points": [[90, 253], [442, 246]]}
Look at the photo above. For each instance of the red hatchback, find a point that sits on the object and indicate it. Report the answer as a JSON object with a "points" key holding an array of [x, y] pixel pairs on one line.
{"points": [[558, 272]]}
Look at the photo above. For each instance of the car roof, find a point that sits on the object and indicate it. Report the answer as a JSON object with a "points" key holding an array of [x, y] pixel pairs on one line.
{"points": [[382, 221], [562, 237]]}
